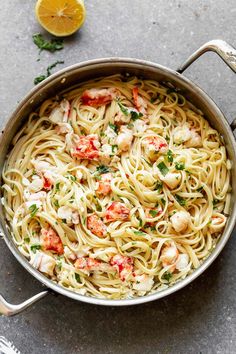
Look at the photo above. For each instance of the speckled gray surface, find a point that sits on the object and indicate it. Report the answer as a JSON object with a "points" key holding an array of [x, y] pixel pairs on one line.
{"points": [[198, 319]]}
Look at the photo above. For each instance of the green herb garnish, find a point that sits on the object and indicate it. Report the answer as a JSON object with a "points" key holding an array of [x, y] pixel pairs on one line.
{"points": [[43, 44], [163, 201], [77, 278], [167, 276], [140, 233], [215, 202], [27, 239], [34, 248], [180, 200], [158, 187], [33, 209], [114, 127], [135, 115], [123, 109], [170, 156], [163, 168], [180, 166], [57, 186], [40, 78], [102, 169], [113, 147], [153, 213]]}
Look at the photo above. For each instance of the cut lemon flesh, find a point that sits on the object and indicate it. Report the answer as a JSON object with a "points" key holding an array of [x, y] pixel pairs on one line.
{"points": [[60, 17]]}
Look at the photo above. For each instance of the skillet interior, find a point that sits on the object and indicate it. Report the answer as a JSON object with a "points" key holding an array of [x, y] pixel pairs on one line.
{"points": [[76, 74]]}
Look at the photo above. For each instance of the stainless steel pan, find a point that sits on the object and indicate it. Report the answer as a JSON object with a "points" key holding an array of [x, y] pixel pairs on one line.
{"points": [[78, 73]]}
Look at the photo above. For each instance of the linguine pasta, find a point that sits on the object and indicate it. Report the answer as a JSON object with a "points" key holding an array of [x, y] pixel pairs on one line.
{"points": [[118, 189]]}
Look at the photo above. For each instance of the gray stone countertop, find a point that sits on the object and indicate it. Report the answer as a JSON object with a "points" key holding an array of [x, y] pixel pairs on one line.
{"points": [[200, 318]]}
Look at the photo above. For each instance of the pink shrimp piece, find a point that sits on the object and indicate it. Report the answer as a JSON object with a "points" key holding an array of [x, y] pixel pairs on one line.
{"points": [[117, 211], [96, 226], [139, 102], [98, 97]]}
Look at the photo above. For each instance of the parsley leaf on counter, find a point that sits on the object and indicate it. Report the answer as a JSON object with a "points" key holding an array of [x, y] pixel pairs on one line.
{"points": [[40, 78], [43, 44]]}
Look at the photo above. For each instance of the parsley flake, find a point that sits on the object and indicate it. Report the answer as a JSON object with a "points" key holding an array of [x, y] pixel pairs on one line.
{"points": [[34, 248], [180, 166], [43, 44], [33, 209], [163, 168]]}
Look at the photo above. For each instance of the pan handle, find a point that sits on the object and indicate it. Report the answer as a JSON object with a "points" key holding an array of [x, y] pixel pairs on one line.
{"points": [[220, 47], [8, 309]]}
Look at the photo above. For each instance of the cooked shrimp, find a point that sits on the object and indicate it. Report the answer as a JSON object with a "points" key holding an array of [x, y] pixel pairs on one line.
{"points": [[180, 220], [124, 139], [169, 255], [87, 263], [43, 262], [218, 222], [86, 147], [60, 114], [51, 241], [98, 97], [117, 211], [154, 146], [123, 265], [143, 282], [172, 180], [96, 225], [139, 102], [104, 185]]}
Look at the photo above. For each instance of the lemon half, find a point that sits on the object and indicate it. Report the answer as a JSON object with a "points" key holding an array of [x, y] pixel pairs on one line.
{"points": [[60, 17]]}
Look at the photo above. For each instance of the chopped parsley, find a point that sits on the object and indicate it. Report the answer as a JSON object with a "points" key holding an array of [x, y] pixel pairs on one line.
{"points": [[136, 115], [140, 233], [72, 178], [180, 200], [170, 156], [43, 44], [57, 186], [167, 276], [180, 166], [102, 169], [123, 109], [34, 248], [27, 239], [99, 208], [215, 202], [77, 278], [158, 187], [163, 201], [153, 213], [33, 210], [140, 222], [113, 147], [40, 78], [114, 127], [56, 203], [163, 168]]}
